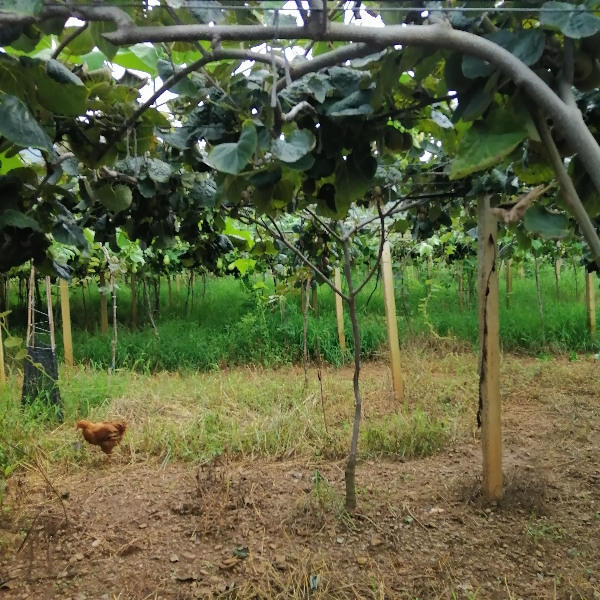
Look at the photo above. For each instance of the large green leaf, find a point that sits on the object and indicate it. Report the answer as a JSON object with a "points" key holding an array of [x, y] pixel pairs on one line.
{"points": [[97, 28], [82, 44], [487, 142], [66, 100], [185, 87], [116, 199], [573, 21], [22, 7], [69, 233], [297, 145], [232, 158], [61, 74], [139, 57], [19, 126], [14, 218], [546, 224], [159, 171]]}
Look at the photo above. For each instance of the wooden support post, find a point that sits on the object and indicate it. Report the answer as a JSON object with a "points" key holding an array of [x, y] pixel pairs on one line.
{"points": [[66, 322], [170, 291], [339, 309], [50, 313], [315, 305], [521, 273], [133, 301], [590, 304], [489, 414], [178, 279], [103, 305], [392, 323], [508, 282], [558, 267]]}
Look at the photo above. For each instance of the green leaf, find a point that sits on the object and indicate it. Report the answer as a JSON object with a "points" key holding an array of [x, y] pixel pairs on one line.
{"points": [[358, 103], [69, 233], [319, 85], [534, 173], [573, 21], [82, 44], [66, 100], [115, 199], [292, 149], [97, 28], [548, 225], [266, 178], [146, 187], [11, 342], [159, 171], [487, 142], [94, 60], [22, 7], [139, 57], [242, 265], [14, 218], [185, 87], [61, 74], [21, 354], [19, 126], [232, 158]]}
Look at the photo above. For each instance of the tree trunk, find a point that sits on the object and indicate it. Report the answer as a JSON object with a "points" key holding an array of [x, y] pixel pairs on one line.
{"points": [[304, 292], [85, 319], [315, 298], [150, 309], [557, 265], [350, 472], [103, 306], [157, 295], [170, 291], [203, 285], [576, 282], [339, 309]]}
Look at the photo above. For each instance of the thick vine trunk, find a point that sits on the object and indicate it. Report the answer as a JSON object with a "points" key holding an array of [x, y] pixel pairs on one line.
{"points": [[350, 472], [539, 295]]}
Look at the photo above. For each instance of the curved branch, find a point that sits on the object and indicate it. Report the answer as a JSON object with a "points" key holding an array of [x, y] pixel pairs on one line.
{"points": [[439, 36], [68, 40], [56, 10]]}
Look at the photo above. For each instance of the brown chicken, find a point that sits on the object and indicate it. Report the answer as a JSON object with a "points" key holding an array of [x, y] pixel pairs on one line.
{"points": [[106, 434]]}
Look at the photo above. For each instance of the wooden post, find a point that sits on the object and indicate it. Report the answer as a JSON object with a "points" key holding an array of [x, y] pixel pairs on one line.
{"points": [[558, 267], [66, 322], [315, 305], [392, 323], [103, 305], [521, 273], [133, 301], [489, 414], [178, 279], [429, 262], [50, 313], [508, 282], [339, 309], [590, 304], [170, 291]]}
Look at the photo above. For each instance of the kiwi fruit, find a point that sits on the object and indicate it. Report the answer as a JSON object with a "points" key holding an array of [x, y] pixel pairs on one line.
{"points": [[397, 141], [591, 45], [592, 81], [584, 64]]}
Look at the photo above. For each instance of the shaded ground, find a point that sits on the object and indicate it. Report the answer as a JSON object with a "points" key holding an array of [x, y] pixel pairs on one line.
{"points": [[277, 529]]}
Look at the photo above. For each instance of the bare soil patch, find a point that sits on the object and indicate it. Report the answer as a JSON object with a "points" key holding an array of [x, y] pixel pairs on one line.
{"points": [[277, 529]]}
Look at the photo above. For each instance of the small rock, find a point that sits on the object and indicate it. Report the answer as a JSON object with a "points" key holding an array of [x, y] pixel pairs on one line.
{"points": [[376, 541], [174, 558], [279, 562], [143, 525], [340, 540], [95, 543], [362, 560], [538, 553], [260, 568], [218, 546], [540, 564], [295, 474], [189, 555]]}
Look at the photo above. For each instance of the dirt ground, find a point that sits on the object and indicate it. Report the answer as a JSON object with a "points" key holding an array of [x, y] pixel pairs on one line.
{"points": [[276, 529]]}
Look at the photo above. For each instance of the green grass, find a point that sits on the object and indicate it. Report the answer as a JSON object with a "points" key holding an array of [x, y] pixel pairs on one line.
{"points": [[241, 413], [231, 325]]}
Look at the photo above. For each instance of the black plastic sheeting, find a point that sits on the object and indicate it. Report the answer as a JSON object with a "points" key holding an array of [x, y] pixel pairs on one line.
{"points": [[42, 383]]}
